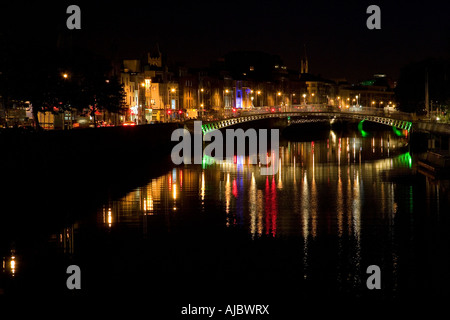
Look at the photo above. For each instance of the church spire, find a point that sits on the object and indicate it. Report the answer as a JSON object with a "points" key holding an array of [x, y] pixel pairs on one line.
{"points": [[304, 62]]}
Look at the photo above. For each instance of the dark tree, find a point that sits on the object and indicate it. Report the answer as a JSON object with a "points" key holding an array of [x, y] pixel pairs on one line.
{"points": [[57, 80], [111, 98]]}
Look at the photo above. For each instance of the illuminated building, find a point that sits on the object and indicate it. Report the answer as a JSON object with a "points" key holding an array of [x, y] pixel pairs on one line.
{"points": [[130, 78]]}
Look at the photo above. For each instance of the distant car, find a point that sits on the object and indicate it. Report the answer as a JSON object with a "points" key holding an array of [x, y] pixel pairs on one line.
{"points": [[129, 123]]}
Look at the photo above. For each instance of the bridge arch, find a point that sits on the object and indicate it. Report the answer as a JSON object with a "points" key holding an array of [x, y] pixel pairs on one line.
{"points": [[404, 124]]}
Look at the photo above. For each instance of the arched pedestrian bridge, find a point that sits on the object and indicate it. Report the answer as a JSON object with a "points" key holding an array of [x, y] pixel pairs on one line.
{"points": [[394, 119]]}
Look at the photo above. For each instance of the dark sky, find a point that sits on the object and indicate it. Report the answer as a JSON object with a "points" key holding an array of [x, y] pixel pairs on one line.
{"points": [[338, 43]]}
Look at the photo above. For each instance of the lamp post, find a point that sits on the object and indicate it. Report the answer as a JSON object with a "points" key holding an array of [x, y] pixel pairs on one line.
{"points": [[292, 98], [200, 101], [278, 95], [65, 77], [225, 95], [225, 99]]}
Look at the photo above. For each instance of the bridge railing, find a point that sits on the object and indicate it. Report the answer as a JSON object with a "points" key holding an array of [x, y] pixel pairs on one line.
{"points": [[397, 119], [326, 109]]}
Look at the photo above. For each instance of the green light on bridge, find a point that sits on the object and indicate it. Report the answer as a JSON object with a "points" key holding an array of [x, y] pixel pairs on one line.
{"points": [[397, 132], [361, 130]]}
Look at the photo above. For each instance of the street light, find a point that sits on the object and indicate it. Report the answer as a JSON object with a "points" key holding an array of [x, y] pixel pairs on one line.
{"points": [[278, 94], [65, 76], [173, 90], [167, 113], [201, 101], [226, 105], [257, 94]]}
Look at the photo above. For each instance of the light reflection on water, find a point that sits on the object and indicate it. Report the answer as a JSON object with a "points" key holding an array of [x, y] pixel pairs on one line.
{"points": [[335, 207], [331, 199], [330, 194], [323, 189], [314, 179]]}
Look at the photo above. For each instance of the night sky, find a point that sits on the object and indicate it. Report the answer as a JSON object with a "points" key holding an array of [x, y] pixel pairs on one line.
{"points": [[337, 41]]}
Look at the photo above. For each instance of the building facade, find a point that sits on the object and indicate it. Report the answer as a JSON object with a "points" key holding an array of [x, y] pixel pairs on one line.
{"points": [[240, 81]]}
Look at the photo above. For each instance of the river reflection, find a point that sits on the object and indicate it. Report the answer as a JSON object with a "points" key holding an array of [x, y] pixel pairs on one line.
{"points": [[321, 187], [332, 195], [334, 207]]}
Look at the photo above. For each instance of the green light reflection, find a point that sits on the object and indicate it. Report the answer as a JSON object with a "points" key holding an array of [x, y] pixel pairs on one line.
{"points": [[397, 132], [361, 130], [405, 159]]}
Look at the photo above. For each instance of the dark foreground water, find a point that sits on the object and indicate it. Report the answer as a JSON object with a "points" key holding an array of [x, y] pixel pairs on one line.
{"points": [[220, 233]]}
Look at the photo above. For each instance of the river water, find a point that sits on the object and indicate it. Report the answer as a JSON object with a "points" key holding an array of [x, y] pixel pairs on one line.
{"points": [[221, 233]]}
